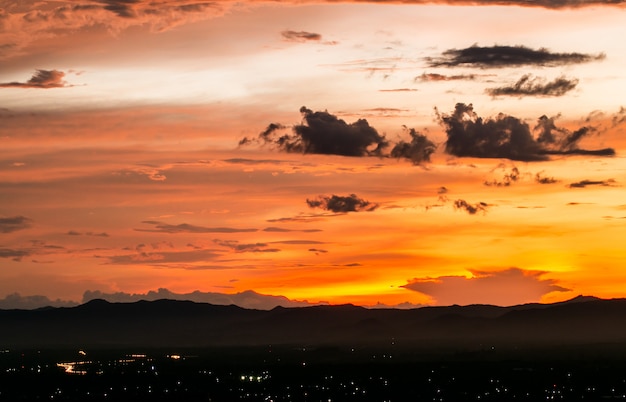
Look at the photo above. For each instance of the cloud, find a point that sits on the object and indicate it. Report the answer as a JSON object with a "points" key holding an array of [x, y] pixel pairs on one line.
{"points": [[529, 86], [303, 218], [506, 287], [417, 151], [324, 133], [342, 204], [300, 36], [77, 233], [14, 223], [160, 257], [246, 248], [161, 227], [507, 179], [509, 137], [398, 90], [44, 79], [15, 255], [29, 21], [539, 178], [246, 299], [585, 183], [16, 301], [299, 242], [283, 230], [507, 56], [430, 77], [471, 209]]}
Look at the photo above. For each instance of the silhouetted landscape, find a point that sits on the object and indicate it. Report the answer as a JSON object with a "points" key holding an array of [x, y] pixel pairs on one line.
{"points": [[169, 323], [177, 350]]}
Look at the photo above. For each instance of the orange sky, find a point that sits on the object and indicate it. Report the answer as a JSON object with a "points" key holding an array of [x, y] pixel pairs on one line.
{"points": [[133, 157]]}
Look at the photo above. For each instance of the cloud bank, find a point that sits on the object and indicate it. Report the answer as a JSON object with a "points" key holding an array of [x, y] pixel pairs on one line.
{"points": [[247, 299], [506, 287]]}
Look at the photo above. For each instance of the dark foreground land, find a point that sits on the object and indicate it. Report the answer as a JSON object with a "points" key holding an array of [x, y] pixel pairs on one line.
{"points": [[301, 374], [183, 351]]}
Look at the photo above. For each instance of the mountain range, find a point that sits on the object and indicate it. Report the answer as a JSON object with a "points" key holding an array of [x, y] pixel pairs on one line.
{"points": [[173, 323]]}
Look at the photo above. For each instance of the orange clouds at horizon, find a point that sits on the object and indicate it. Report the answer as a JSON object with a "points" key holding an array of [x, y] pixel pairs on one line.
{"points": [[322, 157]]}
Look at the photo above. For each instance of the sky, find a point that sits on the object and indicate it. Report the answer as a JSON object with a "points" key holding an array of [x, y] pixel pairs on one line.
{"points": [[384, 154]]}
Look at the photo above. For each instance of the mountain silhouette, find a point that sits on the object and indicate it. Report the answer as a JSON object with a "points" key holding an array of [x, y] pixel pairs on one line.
{"points": [[172, 323]]}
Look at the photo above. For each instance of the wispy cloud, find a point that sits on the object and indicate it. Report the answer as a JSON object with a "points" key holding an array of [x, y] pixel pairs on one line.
{"points": [[587, 183], [535, 86], [301, 36], [160, 227], [245, 247], [430, 77], [14, 223], [14, 254]]}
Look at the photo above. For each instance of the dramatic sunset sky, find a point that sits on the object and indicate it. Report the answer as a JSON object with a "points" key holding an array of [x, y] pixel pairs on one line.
{"points": [[377, 153]]}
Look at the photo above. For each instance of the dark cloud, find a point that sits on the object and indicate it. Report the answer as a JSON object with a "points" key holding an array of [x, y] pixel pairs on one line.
{"points": [[122, 8], [300, 36], [246, 299], [471, 209], [417, 151], [161, 227], [585, 183], [506, 288], [318, 251], [341, 204], [14, 223], [539, 178], [509, 137], [283, 230], [246, 248], [15, 255], [529, 86], [507, 179], [428, 77], [44, 79], [507, 56], [442, 190], [561, 141], [324, 133], [77, 233], [16, 301]]}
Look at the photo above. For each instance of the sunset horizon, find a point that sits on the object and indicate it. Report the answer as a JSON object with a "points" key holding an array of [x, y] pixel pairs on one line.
{"points": [[398, 154]]}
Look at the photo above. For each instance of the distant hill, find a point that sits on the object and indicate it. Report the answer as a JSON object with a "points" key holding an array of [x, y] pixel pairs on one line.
{"points": [[170, 323]]}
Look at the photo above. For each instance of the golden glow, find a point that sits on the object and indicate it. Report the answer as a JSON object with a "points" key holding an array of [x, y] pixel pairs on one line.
{"points": [[130, 178]]}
